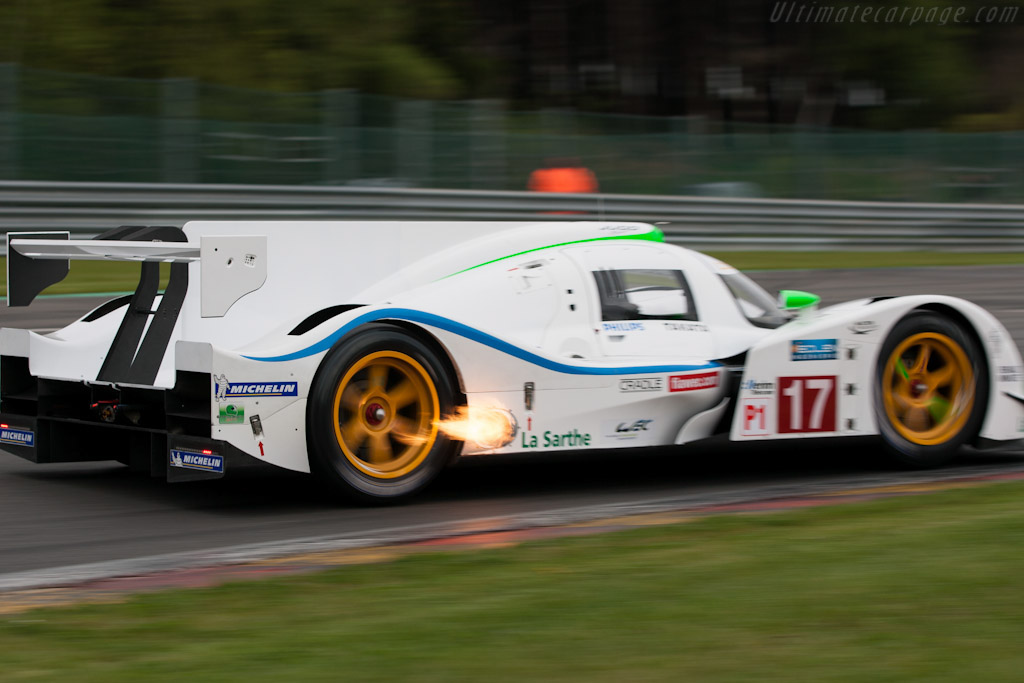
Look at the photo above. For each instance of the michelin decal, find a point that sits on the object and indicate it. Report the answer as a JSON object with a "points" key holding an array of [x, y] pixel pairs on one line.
{"points": [[223, 389]]}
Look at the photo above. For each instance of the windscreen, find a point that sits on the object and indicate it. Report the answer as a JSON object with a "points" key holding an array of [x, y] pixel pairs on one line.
{"points": [[754, 303]]}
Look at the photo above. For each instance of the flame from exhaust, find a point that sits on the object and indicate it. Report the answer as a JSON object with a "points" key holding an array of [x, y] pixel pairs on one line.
{"points": [[486, 427]]}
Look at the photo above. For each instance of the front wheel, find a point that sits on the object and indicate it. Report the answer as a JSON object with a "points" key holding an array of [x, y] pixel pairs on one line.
{"points": [[373, 414], [932, 388]]}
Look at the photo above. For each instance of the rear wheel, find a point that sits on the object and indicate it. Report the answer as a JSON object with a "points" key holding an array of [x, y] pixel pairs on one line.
{"points": [[373, 414], [931, 389]]}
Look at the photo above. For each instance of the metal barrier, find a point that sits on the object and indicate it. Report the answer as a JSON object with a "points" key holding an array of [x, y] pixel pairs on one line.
{"points": [[700, 222]]}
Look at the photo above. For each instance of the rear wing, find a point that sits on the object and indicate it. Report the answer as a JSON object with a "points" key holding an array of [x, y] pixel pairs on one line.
{"points": [[230, 266]]}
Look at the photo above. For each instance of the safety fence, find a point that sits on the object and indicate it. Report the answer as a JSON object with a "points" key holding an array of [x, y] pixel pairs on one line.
{"points": [[700, 222], [73, 127]]}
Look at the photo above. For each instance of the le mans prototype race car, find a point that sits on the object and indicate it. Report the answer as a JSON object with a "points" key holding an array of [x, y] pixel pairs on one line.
{"points": [[373, 354]]}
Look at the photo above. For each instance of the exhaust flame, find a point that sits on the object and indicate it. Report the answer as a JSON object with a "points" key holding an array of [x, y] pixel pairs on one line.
{"points": [[486, 427]]}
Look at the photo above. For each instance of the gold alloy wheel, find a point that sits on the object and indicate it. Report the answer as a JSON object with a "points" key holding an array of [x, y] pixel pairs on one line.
{"points": [[928, 388], [385, 414]]}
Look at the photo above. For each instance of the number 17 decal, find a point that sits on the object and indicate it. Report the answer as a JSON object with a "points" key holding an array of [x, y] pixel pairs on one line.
{"points": [[807, 404]]}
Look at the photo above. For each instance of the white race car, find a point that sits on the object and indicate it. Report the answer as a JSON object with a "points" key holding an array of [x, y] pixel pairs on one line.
{"points": [[374, 353]]}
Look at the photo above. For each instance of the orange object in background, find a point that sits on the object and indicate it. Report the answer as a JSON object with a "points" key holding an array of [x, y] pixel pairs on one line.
{"points": [[563, 176]]}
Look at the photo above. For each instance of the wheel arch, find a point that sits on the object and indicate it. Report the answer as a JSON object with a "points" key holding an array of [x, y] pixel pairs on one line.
{"points": [[964, 322], [421, 335]]}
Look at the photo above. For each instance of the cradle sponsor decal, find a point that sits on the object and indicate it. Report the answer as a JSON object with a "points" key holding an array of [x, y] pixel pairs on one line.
{"points": [[223, 389], [207, 460], [701, 380], [570, 439], [623, 327], [752, 386], [19, 437], [686, 327], [231, 413], [634, 384], [814, 349]]}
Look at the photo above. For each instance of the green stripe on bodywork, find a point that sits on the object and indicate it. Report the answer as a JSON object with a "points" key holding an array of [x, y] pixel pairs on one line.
{"points": [[655, 235]]}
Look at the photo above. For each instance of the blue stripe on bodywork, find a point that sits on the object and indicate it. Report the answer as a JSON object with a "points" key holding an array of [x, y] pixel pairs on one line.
{"points": [[472, 334]]}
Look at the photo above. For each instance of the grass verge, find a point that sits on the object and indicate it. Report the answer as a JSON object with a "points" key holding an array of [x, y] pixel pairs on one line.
{"points": [[912, 588], [770, 260], [106, 276], [88, 277]]}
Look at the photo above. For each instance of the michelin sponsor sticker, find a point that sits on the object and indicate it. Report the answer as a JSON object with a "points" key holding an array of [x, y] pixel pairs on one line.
{"points": [[223, 389], [189, 460], [814, 349], [18, 437]]}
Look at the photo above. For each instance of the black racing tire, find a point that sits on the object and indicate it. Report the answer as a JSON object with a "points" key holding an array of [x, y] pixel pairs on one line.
{"points": [[372, 416], [931, 389]]}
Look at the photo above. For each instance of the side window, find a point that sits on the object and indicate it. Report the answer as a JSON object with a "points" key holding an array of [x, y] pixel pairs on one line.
{"points": [[644, 294]]}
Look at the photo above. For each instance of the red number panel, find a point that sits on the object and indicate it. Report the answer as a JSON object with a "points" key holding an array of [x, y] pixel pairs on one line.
{"points": [[807, 404]]}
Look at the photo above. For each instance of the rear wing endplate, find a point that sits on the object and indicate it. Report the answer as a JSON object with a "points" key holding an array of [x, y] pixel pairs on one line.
{"points": [[230, 266]]}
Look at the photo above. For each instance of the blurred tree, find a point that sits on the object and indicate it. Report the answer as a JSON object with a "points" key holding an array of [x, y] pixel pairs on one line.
{"points": [[735, 60], [308, 45]]}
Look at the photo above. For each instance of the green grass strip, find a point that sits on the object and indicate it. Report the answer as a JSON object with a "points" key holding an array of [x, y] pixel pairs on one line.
{"points": [[771, 260], [106, 276], [918, 588], [87, 277]]}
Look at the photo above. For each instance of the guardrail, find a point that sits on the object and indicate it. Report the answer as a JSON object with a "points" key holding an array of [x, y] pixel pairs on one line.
{"points": [[700, 222]]}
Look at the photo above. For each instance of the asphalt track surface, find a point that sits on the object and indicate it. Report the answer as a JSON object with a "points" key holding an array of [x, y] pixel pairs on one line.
{"points": [[80, 514]]}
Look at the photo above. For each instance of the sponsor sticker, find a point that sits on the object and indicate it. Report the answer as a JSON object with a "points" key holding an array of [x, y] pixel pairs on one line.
{"points": [[623, 327], [632, 429], [752, 386], [223, 389], [814, 349], [1010, 373], [231, 413], [685, 327], [628, 430], [206, 461], [754, 416], [863, 327], [995, 340], [570, 439], [701, 380], [633, 384], [18, 437]]}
